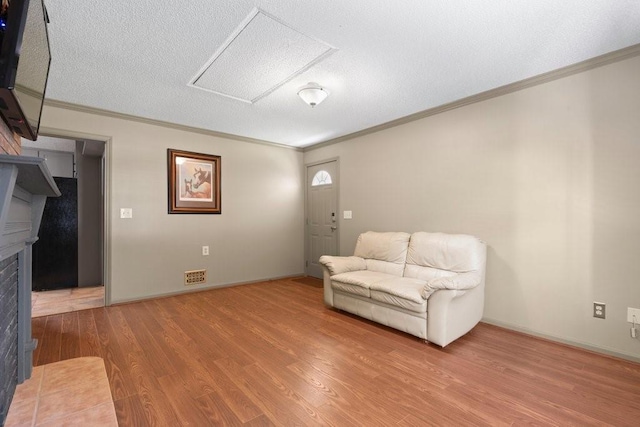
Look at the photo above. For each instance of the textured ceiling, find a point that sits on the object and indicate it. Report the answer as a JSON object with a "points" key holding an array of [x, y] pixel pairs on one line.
{"points": [[380, 60]]}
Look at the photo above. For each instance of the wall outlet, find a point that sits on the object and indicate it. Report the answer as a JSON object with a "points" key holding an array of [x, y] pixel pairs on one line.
{"points": [[205, 250], [633, 312], [599, 310]]}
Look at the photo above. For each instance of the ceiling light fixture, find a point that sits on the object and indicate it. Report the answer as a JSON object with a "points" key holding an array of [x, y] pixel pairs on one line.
{"points": [[313, 94]]}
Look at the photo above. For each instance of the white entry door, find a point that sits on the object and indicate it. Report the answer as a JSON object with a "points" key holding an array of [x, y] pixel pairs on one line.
{"points": [[322, 215]]}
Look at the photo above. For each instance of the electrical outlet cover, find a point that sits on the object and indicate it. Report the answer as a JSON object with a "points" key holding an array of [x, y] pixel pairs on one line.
{"points": [[633, 312], [599, 310]]}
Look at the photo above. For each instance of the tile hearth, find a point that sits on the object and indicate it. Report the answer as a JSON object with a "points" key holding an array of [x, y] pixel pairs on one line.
{"points": [[70, 392]]}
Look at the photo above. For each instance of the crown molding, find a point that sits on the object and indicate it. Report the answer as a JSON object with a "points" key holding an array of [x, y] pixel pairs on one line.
{"points": [[107, 113], [579, 67]]}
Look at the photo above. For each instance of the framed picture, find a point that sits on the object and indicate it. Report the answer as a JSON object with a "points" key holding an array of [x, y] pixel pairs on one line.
{"points": [[194, 182]]}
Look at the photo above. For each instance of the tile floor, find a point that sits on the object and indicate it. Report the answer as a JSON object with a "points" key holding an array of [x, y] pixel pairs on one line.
{"points": [[46, 303], [72, 392]]}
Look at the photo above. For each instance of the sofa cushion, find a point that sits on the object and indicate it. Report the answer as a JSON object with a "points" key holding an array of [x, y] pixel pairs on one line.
{"points": [[384, 267], [404, 292], [358, 282], [433, 255], [383, 252], [425, 273]]}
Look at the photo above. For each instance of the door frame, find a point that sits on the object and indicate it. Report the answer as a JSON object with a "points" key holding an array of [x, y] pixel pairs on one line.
{"points": [[106, 198], [336, 182]]}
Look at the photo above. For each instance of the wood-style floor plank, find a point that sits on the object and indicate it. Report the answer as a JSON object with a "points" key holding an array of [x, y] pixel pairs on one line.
{"points": [[70, 337], [51, 341], [217, 411], [156, 405], [37, 332], [130, 412], [271, 354], [89, 339], [115, 357]]}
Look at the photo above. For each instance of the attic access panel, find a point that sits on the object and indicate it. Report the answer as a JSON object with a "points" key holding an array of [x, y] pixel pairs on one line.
{"points": [[261, 55]]}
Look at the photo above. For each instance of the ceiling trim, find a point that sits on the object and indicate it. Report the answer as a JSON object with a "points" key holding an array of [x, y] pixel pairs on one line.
{"points": [[589, 64], [107, 113]]}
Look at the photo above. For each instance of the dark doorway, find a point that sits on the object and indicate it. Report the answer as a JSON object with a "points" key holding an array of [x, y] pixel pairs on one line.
{"points": [[55, 254]]}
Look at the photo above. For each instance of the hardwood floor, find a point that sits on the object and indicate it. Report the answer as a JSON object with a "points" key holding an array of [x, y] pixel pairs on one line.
{"points": [[273, 354]]}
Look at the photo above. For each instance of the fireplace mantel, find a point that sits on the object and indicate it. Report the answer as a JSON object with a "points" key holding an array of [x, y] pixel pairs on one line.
{"points": [[25, 184]]}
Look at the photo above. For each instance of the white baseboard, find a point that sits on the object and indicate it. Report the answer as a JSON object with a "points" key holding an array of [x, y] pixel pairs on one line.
{"points": [[192, 289], [595, 349]]}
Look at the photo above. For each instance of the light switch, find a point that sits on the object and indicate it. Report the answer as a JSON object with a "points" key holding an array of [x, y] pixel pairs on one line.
{"points": [[347, 214], [126, 213]]}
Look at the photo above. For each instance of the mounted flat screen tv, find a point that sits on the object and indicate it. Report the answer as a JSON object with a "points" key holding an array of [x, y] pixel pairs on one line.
{"points": [[24, 64]]}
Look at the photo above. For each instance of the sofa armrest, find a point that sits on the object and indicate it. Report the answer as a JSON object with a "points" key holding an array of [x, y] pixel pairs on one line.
{"points": [[340, 264], [328, 290], [459, 282], [453, 313]]}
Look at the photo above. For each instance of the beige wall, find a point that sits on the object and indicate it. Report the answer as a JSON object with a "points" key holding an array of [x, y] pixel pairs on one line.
{"points": [[548, 176], [258, 236]]}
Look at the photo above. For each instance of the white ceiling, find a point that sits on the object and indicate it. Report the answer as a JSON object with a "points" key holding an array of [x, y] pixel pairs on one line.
{"points": [[381, 60]]}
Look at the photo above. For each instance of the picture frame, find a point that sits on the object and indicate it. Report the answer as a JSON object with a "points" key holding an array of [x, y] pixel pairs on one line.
{"points": [[194, 182]]}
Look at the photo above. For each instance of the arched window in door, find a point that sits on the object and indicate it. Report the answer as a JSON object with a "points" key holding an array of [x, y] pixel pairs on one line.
{"points": [[321, 178]]}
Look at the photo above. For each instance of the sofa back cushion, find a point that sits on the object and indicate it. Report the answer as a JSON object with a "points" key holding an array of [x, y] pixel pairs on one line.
{"points": [[432, 255], [383, 252]]}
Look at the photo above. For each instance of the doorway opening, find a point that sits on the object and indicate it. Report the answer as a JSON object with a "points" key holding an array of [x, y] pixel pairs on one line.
{"points": [[69, 257]]}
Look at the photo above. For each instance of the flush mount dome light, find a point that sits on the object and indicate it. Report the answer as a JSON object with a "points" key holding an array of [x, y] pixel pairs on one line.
{"points": [[313, 94]]}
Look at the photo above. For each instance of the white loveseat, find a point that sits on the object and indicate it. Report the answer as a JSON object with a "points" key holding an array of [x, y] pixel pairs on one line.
{"points": [[430, 285]]}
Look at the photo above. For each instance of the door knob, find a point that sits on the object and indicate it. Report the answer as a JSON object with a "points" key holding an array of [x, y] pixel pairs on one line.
{"points": [[334, 228]]}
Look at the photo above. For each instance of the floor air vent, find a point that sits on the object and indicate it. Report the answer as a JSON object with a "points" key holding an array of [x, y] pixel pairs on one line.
{"points": [[195, 277]]}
